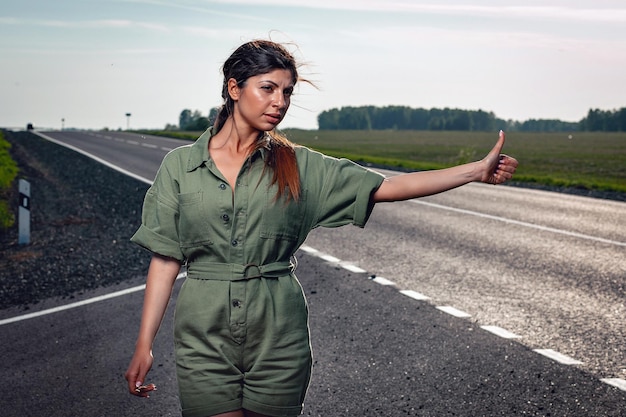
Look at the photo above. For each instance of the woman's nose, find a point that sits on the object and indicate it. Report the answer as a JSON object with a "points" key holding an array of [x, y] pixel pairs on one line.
{"points": [[279, 100]]}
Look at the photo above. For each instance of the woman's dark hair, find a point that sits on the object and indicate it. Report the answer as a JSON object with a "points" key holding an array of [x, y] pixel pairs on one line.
{"points": [[256, 58]]}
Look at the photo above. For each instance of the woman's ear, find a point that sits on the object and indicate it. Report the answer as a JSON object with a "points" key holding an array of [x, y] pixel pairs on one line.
{"points": [[233, 89]]}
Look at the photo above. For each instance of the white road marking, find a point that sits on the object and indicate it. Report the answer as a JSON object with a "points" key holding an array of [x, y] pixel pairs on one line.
{"points": [[308, 249], [384, 281], [499, 331], [95, 158], [556, 356], [79, 303], [616, 382], [149, 145], [520, 223], [353, 268], [559, 357], [415, 295], [453, 311], [329, 258]]}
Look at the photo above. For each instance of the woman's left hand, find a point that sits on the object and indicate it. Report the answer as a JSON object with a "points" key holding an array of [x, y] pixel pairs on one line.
{"points": [[498, 167]]}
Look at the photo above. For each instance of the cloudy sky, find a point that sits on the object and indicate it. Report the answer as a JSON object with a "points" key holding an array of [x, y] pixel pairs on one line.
{"points": [[90, 62]]}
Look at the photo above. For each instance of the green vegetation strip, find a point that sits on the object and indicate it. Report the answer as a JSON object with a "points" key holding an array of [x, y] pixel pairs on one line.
{"points": [[8, 172]]}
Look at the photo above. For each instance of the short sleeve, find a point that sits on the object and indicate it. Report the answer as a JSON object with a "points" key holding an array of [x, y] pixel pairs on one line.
{"points": [[346, 196], [158, 231]]}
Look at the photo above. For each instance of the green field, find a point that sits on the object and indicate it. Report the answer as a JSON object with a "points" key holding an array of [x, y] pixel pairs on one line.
{"points": [[589, 160]]}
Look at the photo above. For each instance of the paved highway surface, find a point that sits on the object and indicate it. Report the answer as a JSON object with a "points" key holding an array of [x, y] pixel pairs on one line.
{"points": [[486, 301]]}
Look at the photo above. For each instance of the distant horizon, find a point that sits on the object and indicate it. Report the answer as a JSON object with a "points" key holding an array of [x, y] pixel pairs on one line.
{"points": [[68, 127]]}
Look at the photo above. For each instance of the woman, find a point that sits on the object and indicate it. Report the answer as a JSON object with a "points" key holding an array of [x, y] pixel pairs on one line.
{"points": [[234, 207]]}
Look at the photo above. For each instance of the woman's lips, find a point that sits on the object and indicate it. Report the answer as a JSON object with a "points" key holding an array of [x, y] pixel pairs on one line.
{"points": [[273, 118]]}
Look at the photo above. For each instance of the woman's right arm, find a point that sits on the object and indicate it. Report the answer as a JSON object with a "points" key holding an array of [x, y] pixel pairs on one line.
{"points": [[162, 274]]}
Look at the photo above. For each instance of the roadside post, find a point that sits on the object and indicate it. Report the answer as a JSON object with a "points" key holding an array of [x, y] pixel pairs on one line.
{"points": [[24, 213]]}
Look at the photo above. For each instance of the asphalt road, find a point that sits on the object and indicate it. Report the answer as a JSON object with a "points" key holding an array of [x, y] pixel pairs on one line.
{"points": [[543, 270]]}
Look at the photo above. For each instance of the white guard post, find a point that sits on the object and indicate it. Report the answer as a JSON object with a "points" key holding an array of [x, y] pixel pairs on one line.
{"points": [[24, 213]]}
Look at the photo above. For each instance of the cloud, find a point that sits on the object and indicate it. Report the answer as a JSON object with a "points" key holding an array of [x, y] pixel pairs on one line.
{"points": [[202, 9], [590, 13], [85, 24]]}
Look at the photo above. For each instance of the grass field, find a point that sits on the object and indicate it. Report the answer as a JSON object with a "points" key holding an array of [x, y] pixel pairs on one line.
{"points": [[590, 160]]}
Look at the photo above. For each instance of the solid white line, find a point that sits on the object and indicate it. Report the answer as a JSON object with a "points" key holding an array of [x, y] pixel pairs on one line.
{"points": [[79, 303], [559, 357], [453, 311], [499, 331], [616, 382], [415, 295], [95, 158], [520, 223]]}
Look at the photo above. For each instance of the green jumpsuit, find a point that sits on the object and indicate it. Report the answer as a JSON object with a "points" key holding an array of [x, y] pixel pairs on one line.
{"points": [[241, 321]]}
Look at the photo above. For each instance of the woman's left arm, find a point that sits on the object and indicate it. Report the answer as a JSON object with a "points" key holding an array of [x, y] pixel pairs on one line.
{"points": [[495, 168]]}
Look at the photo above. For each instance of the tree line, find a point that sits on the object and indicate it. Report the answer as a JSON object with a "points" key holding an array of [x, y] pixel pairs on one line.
{"points": [[408, 118]]}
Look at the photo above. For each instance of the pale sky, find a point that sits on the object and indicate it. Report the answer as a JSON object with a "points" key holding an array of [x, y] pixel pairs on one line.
{"points": [[92, 61]]}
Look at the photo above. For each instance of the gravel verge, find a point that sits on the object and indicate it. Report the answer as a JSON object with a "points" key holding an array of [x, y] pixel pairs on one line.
{"points": [[82, 217]]}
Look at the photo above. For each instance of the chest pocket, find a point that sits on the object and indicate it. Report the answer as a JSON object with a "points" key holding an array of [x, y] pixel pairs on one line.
{"points": [[194, 228], [283, 219]]}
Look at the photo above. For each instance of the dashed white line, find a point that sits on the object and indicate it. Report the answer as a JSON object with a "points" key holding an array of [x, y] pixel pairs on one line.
{"points": [[415, 295], [308, 249], [559, 357], [353, 268], [384, 281], [499, 331], [149, 145], [616, 382], [453, 311], [330, 258]]}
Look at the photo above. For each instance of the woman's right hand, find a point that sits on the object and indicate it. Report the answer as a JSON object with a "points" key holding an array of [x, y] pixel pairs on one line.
{"points": [[139, 366], [161, 277]]}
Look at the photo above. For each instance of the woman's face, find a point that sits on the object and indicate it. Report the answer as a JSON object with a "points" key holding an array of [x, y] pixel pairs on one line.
{"points": [[263, 100]]}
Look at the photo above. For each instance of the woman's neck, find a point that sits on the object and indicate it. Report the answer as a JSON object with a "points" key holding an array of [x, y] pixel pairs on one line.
{"points": [[237, 139]]}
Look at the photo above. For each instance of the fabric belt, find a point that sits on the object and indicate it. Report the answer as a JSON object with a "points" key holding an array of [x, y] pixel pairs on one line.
{"points": [[235, 272]]}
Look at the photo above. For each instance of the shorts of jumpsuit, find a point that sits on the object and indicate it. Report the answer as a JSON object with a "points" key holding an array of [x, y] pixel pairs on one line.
{"points": [[241, 320]]}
